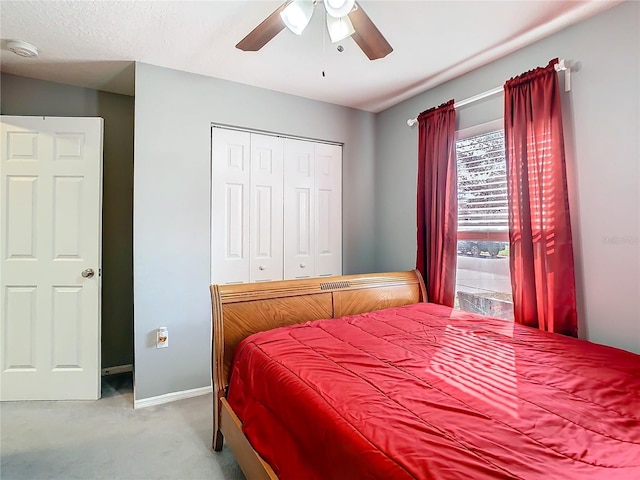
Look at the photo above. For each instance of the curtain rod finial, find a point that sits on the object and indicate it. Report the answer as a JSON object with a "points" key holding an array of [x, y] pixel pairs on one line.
{"points": [[412, 121]]}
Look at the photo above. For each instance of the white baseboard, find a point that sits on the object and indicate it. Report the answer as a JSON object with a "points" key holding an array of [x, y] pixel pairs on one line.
{"points": [[171, 397], [117, 369]]}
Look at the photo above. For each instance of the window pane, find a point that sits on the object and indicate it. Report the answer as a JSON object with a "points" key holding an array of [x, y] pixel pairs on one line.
{"points": [[483, 283], [482, 183]]}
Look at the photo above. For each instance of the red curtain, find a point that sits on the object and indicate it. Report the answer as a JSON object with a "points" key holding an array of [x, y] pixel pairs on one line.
{"points": [[437, 202], [541, 251]]}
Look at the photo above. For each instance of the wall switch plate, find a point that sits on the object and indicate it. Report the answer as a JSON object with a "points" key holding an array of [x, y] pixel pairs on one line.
{"points": [[162, 337]]}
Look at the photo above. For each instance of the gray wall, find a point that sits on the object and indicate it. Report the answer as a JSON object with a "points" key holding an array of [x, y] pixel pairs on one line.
{"points": [[601, 119], [172, 210], [26, 96]]}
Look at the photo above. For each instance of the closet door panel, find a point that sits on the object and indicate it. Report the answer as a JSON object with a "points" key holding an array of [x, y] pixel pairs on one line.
{"points": [[266, 231], [276, 208], [230, 158], [328, 212], [299, 209]]}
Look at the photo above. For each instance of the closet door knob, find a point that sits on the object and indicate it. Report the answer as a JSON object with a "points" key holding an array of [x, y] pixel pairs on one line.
{"points": [[261, 267], [302, 265]]}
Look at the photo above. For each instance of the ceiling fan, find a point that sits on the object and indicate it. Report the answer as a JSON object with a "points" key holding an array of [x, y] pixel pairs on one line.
{"points": [[344, 18]]}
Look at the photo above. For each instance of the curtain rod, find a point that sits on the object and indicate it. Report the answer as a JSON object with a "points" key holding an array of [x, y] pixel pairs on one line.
{"points": [[560, 66]]}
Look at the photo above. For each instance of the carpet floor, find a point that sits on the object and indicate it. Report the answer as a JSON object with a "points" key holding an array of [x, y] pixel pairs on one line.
{"points": [[108, 439]]}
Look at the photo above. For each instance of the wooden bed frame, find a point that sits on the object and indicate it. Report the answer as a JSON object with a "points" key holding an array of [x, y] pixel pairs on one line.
{"points": [[244, 309]]}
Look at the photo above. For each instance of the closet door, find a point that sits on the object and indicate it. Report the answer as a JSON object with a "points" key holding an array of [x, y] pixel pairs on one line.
{"points": [[299, 209], [266, 230], [328, 211], [230, 158]]}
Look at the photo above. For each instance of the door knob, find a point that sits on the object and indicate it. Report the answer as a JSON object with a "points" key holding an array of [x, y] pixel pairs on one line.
{"points": [[302, 265], [88, 273]]}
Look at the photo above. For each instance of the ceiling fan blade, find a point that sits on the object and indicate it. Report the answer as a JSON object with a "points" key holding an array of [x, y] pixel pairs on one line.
{"points": [[263, 33], [367, 35]]}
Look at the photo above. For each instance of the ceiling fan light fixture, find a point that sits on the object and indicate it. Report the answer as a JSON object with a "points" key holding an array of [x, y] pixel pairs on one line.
{"points": [[339, 28], [297, 14], [339, 8]]}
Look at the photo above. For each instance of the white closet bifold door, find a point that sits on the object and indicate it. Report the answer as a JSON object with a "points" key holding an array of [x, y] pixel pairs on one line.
{"points": [[266, 225], [276, 208], [230, 254], [328, 211], [299, 209]]}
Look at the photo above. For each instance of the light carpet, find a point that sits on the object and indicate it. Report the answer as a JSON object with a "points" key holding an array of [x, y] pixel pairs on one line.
{"points": [[108, 439]]}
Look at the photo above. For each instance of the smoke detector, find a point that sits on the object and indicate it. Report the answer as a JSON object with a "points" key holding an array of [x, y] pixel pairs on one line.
{"points": [[22, 49]]}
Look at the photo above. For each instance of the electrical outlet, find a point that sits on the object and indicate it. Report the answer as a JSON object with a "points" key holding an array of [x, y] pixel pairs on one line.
{"points": [[163, 337]]}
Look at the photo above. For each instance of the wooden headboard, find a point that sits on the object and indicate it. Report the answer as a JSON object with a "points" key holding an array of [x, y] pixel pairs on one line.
{"points": [[243, 309]]}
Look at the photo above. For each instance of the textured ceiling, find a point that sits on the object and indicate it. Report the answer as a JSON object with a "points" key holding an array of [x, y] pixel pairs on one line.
{"points": [[92, 43]]}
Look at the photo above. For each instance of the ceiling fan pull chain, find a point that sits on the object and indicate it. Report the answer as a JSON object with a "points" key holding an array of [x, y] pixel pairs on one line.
{"points": [[324, 43]]}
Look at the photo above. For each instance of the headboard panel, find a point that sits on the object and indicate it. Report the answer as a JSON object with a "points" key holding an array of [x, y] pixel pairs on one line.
{"points": [[245, 318], [352, 302], [244, 309]]}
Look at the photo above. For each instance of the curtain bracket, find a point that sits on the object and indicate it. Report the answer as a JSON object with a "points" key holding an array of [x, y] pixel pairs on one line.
{"points": [[563, 66]]}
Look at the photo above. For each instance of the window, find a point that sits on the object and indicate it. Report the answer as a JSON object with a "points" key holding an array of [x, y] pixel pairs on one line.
{"points": [[483, 283]]}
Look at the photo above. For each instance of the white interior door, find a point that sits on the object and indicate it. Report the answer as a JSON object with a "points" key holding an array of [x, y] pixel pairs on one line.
{"points": [[50, 227], [230, 196], [266, 208], [328, 216], [299, 209]]}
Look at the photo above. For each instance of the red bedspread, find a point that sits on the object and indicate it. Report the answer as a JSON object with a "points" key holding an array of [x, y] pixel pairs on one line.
{"points": [[426, 392]]}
